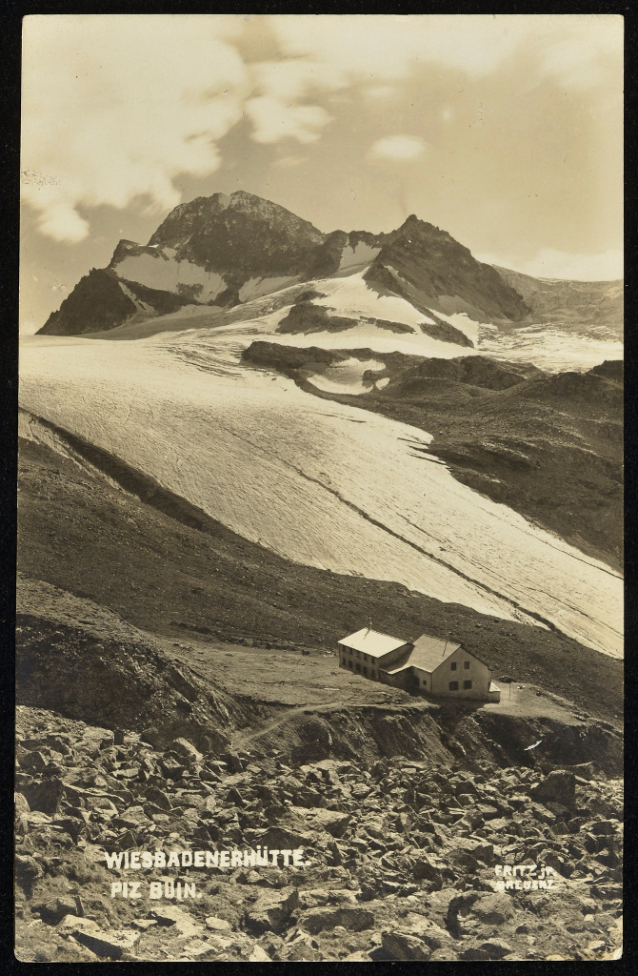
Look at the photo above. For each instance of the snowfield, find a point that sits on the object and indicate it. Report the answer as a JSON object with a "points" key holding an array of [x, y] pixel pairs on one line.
{"points": [[161, 271], [320, 483], [548, 347], [256, 287], [347, 377], [268, 301], [351, 295], [358, 256]]}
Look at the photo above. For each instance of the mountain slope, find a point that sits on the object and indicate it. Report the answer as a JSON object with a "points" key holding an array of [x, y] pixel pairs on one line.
{"points": [[445, 274], [228, 250], [548, 446], [219, 249], [337, 488], [96, 303], [190, 578], [595, 305], [240, 234]]}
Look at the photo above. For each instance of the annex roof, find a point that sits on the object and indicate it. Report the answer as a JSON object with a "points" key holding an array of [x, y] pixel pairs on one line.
{"points": [[393, 670], [372, 642], [429, 652]]}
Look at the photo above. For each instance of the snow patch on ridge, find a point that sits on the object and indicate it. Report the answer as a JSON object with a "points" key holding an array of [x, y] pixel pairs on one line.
{"points": [[353, 257], [139, 304], [352, 297], [161, 272], [257, 287]]}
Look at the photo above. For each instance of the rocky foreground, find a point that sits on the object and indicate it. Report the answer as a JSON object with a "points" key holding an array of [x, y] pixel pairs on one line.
{"points": [[393, 859]]}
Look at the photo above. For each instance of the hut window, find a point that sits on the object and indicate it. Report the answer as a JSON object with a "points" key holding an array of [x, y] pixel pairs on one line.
{"points": [[466, 665], [467, 684], [454, 686], [453, 666]]}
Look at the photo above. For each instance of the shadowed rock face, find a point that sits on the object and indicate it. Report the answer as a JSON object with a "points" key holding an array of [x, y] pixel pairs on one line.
{"points": [[241, 233], [432, 261], [96, 303], [328, 255], [116, 684], [243, 237], [101, 301]]}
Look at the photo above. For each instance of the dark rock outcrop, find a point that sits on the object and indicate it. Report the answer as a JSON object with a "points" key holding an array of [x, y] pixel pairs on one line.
{"points": [[242, 234], [96, 303], [430, 260]]}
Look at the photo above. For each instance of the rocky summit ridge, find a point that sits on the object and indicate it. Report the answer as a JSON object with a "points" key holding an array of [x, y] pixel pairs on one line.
{"points": [[236, 232], [226, 250]]}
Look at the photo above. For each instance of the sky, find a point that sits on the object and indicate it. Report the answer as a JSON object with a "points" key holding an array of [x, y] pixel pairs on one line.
{"points": [[504, 130]]}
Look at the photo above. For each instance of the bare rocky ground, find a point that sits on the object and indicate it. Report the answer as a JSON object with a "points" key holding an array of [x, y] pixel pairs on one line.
{"points": [[407, 814], [197, 735], [402, 857]]}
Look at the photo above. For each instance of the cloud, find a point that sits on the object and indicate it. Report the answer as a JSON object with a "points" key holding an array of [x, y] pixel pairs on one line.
{"points": [[287, 162], [387, 47], [403, 149], [295, 78], [280, 109], [115, 107], [379, 91], [273, 120], [550, 263], [381, 51], [58, 217], [577, 51]]}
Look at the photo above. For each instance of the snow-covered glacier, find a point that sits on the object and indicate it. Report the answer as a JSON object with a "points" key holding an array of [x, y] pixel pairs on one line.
{"points": [[318, 482]]}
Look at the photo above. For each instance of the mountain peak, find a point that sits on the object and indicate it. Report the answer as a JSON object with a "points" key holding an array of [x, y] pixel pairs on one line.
{"points": [[224, 248], [239, 236], [244, 195], [422, 229]]}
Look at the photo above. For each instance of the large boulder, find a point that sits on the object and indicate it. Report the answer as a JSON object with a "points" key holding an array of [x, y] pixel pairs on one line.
{"points": [[353, 918], [317, 818], [558, 787], [401, 945], [271, 912]]}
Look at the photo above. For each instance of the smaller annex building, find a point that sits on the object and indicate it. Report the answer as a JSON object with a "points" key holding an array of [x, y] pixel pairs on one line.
{"points": [[368, 652], [441, 668]]}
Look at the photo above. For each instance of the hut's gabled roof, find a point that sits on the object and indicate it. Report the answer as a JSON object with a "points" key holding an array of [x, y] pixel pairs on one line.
{"points": [[372, 642], [429, 652]]}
